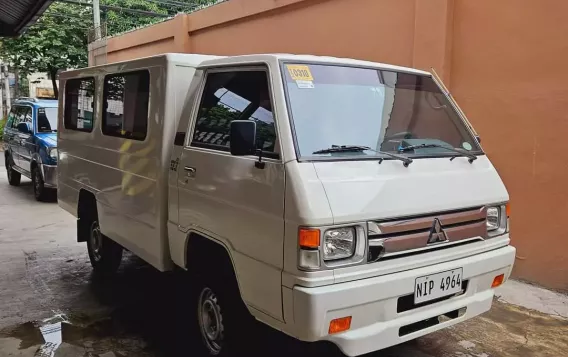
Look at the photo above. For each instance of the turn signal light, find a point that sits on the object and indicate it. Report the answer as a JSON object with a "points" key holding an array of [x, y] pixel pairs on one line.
{"points": [[508, 209], [309, 238], [498, 280], [340, 325]]}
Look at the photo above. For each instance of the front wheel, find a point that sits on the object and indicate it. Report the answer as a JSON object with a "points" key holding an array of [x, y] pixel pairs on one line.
{"points": [[41, 193], [210, 321], [14, 176], [221, 322]]}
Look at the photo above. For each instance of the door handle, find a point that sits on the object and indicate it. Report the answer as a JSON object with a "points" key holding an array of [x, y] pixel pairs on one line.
{"points": [[190, 171]]}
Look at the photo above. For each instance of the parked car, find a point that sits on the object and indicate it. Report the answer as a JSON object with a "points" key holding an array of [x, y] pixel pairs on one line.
{"points": [[30, 142], [331, 199]]}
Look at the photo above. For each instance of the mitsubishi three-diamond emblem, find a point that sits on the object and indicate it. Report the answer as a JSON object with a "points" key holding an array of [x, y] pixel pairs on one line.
{"points": [[437, 233]]}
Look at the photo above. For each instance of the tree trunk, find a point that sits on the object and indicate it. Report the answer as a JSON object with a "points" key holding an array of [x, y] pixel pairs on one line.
{"points": [[52, 74], [17, 83]]}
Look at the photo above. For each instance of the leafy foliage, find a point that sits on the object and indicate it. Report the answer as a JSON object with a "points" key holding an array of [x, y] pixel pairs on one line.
{"points": [[58, 40], [2, 125], [121, 21], [54, 43]]}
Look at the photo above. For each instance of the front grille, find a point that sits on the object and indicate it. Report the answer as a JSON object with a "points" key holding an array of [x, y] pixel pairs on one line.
{"points": [[414, 235]]}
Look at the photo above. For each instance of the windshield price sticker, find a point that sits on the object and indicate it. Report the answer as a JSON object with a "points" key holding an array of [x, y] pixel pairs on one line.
{"points": [[300, 72], [305, 84]]}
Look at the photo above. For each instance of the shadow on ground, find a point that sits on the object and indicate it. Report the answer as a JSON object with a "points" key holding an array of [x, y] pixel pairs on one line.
{"points": [[142, 319]]}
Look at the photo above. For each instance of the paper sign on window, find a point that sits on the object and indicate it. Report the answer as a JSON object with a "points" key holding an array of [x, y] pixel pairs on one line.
{"points": [[300, 72]]}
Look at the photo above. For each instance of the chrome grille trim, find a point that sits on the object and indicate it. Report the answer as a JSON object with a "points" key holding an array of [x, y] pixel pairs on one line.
{"points": [[412, 235]]}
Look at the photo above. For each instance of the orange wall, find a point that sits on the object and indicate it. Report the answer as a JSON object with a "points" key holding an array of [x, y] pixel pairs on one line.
{"points": [[319, 27], [503, 60], [509, 74]]}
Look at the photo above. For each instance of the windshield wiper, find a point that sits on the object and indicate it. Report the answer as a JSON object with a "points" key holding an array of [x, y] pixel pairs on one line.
{"points": [[471, 157], [355, 148]]}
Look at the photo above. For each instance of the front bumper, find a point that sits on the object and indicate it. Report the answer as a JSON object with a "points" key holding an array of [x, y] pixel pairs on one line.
{"points": [[49, 173], [373, 302]]}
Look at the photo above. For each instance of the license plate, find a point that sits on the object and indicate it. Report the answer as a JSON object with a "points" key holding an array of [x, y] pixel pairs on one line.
{"points": [[431, 287]]}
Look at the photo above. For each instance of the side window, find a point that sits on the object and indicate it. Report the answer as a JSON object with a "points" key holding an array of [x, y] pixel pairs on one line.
{"points": [[27, 115], [19, 116], [228, 96], [125, 101], [79, 104], [12, 118]]}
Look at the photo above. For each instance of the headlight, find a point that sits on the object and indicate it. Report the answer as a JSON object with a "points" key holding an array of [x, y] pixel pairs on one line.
{"points": [[53, 153], [493, 218], [497, 220], [339, 243]]}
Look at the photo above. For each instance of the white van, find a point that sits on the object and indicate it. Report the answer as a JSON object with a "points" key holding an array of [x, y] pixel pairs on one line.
{"points": [[331, 199]]}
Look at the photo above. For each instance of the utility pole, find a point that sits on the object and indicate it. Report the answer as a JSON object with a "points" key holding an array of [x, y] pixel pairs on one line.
{"points": [[97, 19], [2, 105], [7, 88]]}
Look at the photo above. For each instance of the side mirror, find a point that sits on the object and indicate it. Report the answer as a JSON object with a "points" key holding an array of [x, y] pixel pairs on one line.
{"points": [[243, 137], [23, 128]]}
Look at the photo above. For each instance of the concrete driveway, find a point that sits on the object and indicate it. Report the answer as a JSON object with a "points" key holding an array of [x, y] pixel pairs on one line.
{"points": [[47, 293]]}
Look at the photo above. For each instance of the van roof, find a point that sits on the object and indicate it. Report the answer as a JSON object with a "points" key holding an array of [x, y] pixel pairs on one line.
{"points": [[325, 59], [200, 59]]}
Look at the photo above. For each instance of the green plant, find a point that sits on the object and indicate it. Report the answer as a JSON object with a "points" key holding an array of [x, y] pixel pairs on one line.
{"points": [[2, 124]]}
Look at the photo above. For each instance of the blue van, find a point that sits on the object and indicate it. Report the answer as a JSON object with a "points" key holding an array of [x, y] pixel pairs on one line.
{"points": [[30, 142]]}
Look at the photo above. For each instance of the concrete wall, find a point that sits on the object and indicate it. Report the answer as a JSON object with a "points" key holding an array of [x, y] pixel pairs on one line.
{"points": [[509, 73], [38, 82], [503, 60]]}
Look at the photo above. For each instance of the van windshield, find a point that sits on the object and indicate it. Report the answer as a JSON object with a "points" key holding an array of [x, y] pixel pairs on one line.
{"points": [[332, 106]]}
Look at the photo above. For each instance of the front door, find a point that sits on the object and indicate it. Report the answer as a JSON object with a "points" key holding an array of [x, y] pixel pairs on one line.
{"points": [[228, 198], [10, 134], [26, 146], [17, 137]]}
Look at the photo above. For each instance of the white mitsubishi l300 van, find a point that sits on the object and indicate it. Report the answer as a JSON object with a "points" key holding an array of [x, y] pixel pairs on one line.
{"points": [[331, 199]]}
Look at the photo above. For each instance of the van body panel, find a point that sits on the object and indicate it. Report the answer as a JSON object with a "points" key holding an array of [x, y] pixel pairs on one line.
{"points": [[243, 205], [128, 177]]}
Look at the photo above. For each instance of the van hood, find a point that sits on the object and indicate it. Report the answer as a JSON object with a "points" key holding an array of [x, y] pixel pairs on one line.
{"points": [[367, 190], [47, 139]]}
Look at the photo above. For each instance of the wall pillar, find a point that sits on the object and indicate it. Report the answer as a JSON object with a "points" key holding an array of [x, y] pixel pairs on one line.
{"points": [[433, 30], [181, 36]]}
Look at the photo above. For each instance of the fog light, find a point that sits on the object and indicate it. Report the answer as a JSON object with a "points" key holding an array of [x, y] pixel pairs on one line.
{"points": [[309, 259], [340, 325], [498, 280]]}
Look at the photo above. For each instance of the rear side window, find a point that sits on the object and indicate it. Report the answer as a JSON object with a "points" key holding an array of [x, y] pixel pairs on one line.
{"points": [[125, 105], [79, 104]]}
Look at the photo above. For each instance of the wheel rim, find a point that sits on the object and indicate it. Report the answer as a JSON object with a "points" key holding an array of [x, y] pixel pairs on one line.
{"points": [[96, 241], [210, 321]]}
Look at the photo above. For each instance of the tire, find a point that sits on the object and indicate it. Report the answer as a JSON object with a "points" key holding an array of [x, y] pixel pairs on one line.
{"points": [[41, 193], [221, 321], [105, 254], [14, 177]]}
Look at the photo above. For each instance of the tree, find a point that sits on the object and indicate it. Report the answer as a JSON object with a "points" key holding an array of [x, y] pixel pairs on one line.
{"points": [[121, 21], [58, 40], [53, 43]]}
